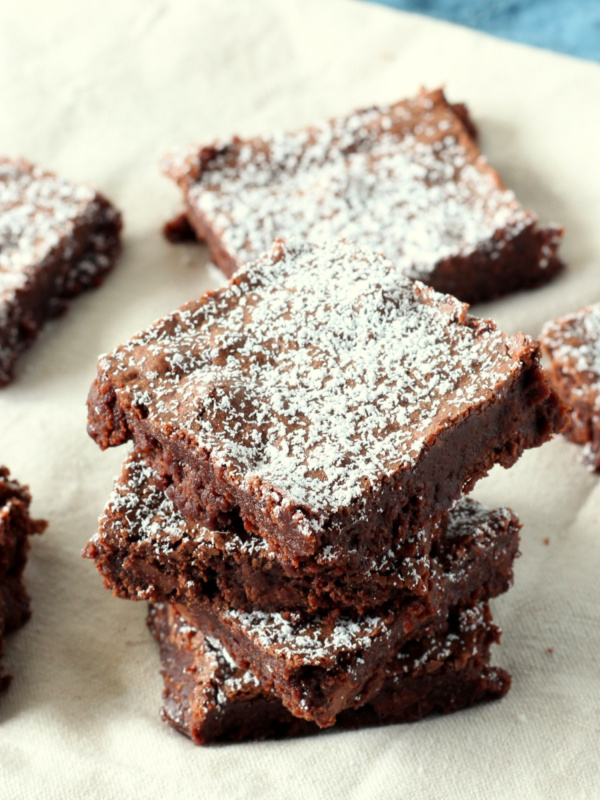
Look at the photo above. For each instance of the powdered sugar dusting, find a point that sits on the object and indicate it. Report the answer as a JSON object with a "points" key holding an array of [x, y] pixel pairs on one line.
{"points": [[38, 211], [405, 180], [310, 640], [574, 345], [313, 374], [50, 232]]}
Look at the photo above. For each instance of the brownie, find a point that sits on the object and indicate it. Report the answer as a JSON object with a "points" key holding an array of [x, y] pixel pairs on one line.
{"points": [[324, 400], [573, 345], [16, 526], [407, 180], [210, 698], [319, 664], [56, 239], [145, 549]]}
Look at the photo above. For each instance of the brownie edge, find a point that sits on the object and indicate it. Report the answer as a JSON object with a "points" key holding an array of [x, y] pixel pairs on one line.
{"points": [[16, 527]]}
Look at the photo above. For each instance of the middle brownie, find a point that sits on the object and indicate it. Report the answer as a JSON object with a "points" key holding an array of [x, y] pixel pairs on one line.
{"points": [[145, 549], [319, 664], [324, 401]]}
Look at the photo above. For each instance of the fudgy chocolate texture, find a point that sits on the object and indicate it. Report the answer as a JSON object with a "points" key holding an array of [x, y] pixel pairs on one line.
{"points": [[145, 549], [325, 400], [406, 180], [16, 526], [56, 239], [321, 664], [210, 698], [573, 345]]}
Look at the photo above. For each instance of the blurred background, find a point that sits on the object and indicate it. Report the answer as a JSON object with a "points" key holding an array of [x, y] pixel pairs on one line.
{"points": [[567, 26]]}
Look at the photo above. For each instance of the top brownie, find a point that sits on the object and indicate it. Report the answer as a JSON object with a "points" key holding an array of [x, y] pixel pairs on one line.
{"points": [[407, 180], [324, 399], [57, 238]]}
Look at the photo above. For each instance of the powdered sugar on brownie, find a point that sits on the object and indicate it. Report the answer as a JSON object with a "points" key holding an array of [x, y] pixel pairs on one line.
{"points": [[574, 345], [39, 213], [56, 239], [311, 640], [404, 180], [313, 374]]}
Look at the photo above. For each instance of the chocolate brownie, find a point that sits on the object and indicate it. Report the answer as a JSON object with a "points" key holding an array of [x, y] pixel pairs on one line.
{"points": [[407, 180], [56, 239], [145, 549], [319, 664], [573, 346], [325, 400], [209, 698], [16, 526]]}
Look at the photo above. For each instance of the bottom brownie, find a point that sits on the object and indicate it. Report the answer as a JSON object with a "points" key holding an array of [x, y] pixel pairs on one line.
{"points": [[16, 526], [208, 697]]}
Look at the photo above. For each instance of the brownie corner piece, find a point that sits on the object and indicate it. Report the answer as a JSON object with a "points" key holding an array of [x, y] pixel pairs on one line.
{"points": [[57, 239], [407, 180], [324, 399], [16, 527], [572, 344]]}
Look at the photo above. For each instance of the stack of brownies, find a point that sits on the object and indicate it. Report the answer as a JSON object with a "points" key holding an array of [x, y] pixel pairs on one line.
{"points": [[294, 505]]}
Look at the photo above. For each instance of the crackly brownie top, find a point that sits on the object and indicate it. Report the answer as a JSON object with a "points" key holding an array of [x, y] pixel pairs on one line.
{"points": [[317, 372], [573, 344], [406, 180], [322, 639], [39, 217]]}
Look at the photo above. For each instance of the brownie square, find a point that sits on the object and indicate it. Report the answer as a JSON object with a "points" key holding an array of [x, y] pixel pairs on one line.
{"points": [[56, 239], [573, 345], [321, 664], [407, 180], [145, 549], [324, 400], [16, 526], [210, 698]]}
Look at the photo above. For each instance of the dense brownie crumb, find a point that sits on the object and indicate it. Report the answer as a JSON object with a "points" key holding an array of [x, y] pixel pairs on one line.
{"points": [[323, 399], [319, 664], [210, 698], [406, 180], [573, 346], [145, 549], [56, 240], [16, 526]]}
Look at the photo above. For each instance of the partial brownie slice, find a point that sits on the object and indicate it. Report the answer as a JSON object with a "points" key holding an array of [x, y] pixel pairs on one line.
{"points": [[321, 664], [325, 400], [16, 526], [407, 180], [56, 239], [573, 346], [210, 698], [145, 549]]}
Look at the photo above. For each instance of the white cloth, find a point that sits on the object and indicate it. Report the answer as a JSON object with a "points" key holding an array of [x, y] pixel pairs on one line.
{"points": [[100, 95]]}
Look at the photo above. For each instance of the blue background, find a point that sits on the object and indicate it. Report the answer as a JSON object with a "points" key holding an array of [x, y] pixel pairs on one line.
{"points": [[568, 26]]}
